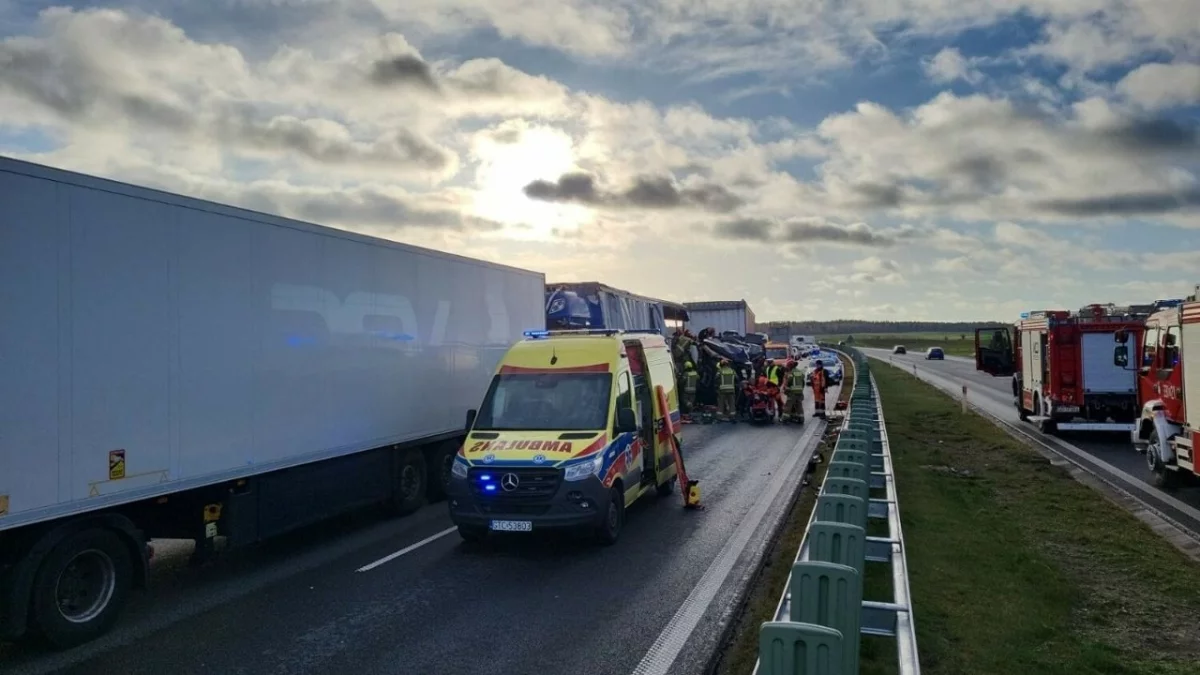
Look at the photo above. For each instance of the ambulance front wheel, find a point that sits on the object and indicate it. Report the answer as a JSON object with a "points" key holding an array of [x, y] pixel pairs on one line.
{"points": [[472, 534], [614, 518]]}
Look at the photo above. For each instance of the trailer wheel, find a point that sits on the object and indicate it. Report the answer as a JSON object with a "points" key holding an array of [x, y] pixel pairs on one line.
{"points": [[81, 587], [408, 494], [1163, 477]]}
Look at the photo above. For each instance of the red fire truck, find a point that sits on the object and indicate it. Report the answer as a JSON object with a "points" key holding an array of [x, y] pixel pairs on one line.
{"points": [[1166, 359], [1063, 369]]}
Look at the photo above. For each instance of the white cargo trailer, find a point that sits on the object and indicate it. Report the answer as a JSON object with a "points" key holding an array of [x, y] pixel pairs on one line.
{"points": [[731, 315], [175, 368]]}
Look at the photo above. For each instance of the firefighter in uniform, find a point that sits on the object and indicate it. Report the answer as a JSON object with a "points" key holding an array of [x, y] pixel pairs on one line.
{"points": [[690, 379], [819, 384], [793, 379], [726, 392], [774, 375], [681, 353]]}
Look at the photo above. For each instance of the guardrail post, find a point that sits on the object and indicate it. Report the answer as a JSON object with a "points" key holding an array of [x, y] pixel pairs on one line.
{"points": [[852, 450], [829, 594], [846, 486], [786, 648], [842, 469], [842, 509], [839, 543]]}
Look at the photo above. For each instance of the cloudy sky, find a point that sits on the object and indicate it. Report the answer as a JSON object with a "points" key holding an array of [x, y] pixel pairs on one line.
{"points": [[923, 159]]}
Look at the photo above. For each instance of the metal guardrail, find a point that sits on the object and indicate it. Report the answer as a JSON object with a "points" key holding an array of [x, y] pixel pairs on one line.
{"points": [[821, 616]]}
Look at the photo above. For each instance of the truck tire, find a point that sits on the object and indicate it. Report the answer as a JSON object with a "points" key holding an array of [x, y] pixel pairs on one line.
{"points": [[614, 518], [441, 461], [81, 587], [1163, 477], [408, 494]]}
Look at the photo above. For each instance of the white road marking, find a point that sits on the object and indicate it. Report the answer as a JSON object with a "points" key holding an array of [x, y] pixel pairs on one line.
{"points": [[406, 549], [662, 654]]}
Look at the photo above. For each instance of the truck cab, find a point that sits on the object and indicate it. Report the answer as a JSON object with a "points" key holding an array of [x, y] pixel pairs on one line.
{"points": [[575, 427], [1166, 357]]}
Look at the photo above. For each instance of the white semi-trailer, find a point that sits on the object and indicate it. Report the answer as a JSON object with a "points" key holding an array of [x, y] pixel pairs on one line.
{"points": [[174, 368]]}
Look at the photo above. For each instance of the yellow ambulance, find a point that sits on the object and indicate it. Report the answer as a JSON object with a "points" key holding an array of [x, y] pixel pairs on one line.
{"points": [[570, 433]]}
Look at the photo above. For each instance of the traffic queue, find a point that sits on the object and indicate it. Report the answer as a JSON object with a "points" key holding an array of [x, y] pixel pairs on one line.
{"points": [[724, 385]]}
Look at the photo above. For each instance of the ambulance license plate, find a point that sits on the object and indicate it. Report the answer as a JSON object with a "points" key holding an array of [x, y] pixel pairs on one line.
{"points": [[512, 525]]}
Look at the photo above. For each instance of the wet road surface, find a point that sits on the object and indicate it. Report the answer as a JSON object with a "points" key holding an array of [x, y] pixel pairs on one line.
{"points": [[512, 605]]}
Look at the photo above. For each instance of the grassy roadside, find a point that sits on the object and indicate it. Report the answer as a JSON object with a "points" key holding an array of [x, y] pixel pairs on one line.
{"points": [[1017, 568], [741, 651]]}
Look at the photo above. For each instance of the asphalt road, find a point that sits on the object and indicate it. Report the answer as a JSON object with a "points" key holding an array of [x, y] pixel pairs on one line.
{"points": [[514, 605], [1111, 448]]}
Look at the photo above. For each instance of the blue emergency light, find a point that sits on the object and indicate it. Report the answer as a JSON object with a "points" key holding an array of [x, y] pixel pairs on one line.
{"points": [[489, 487], [537, 333], [1024, 315]]}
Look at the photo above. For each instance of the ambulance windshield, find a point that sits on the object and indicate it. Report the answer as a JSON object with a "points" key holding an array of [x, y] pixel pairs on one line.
{"points": [[546, 402]]}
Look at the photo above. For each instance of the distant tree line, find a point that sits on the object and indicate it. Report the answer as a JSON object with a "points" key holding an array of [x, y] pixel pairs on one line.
{"points": [[781, 329]]}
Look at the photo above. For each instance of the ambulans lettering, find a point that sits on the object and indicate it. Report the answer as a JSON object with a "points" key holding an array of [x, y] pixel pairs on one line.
{"points": [[542, 446]]}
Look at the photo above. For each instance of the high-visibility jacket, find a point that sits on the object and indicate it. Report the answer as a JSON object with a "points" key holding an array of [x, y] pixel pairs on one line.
{"points": [[794, 382], [689, 381], [774, 375], [728, 380], [682, 349], [818, 379]]}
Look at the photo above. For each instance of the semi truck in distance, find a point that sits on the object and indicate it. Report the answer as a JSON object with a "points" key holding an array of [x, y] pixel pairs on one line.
{"points": [[174, 368], [593, 305], [725, 316]]}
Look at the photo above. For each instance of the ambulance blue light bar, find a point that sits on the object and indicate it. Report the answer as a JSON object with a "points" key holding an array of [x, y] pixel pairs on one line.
{"points": [[1024, 315], [537, 333]]}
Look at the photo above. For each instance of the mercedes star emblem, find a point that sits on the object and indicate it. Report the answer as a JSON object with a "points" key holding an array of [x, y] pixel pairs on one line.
{"points": [[509, 482]]}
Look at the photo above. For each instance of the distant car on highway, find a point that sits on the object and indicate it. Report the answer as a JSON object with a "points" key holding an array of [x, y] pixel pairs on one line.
{"points": [[833, 368], [899, 349], [935, 353]]}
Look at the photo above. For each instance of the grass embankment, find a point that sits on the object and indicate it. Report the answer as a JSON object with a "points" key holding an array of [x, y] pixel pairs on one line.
{"points": [[957, 344], [1017, 568], [741, 652]]}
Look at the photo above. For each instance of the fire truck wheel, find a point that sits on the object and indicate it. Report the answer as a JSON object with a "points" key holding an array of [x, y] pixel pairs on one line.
{"points": [[1163, 477]]}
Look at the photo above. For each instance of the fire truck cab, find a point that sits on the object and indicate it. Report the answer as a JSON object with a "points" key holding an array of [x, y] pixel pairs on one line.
{"points": [[1062, 363], [1166, 359]]}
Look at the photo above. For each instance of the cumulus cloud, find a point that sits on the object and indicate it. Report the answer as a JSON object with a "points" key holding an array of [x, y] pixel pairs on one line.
{"points": [[982, 157], [1162, 85], [808, 231], [647, 192], [949, 65], [378, 128]]}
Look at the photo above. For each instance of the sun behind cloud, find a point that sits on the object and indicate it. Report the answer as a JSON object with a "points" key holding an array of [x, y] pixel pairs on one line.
{"points": [[509, 159]]}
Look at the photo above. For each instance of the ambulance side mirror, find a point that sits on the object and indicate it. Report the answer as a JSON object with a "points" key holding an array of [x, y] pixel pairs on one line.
{"points": [[626, 421], [471, 414], [1121, 337], [1121, 356]]}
